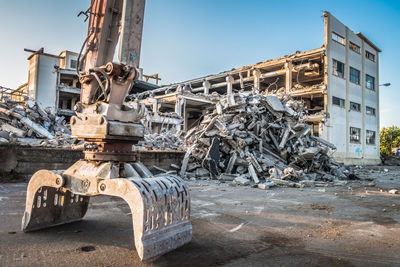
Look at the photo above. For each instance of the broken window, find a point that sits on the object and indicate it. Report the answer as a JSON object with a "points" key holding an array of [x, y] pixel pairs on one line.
{"points": [[338, 101], [355, 106], [370, 137], [370, 56], [338, 38], [370, 111], [370, 82], [69, 104], [73, 64], [354, 75], [355, 47], [355, 135], [338, 68]]}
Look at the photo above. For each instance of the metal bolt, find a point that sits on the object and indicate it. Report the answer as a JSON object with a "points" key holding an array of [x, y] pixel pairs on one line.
{"points": [[58, 181], [102, 187]]}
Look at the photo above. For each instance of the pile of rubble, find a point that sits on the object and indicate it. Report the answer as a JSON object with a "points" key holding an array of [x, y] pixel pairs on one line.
{"points": [[167, 140], [259, 139], [29, 124]]}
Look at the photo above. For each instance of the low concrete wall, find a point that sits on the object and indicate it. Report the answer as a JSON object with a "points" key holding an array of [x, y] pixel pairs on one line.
{"points": [[27, 160]]}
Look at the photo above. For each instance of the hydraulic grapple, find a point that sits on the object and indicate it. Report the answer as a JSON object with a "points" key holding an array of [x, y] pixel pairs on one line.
{"points": [[160, 206]]}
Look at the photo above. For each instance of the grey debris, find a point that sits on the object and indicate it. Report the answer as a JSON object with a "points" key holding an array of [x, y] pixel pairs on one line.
{"points": [[261, 137], [393, 191], [241, 180], [266, 185], [142, 170]]}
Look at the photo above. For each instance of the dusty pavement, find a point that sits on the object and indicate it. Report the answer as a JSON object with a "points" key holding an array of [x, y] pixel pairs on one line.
{"points": [[234, 226]]}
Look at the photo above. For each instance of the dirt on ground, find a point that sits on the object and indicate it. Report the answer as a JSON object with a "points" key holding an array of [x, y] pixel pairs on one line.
{"points": [[357, 224]]}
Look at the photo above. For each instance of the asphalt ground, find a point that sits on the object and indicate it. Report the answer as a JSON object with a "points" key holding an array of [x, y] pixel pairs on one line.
{"points": [[350, 225]]}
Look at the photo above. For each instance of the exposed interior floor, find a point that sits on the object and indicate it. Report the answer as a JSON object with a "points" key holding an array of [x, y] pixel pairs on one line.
{"points": [[232, 225]]}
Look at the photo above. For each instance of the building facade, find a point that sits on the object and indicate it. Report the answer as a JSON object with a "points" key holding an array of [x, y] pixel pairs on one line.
{"points": [[353, 93], [53, 81]]}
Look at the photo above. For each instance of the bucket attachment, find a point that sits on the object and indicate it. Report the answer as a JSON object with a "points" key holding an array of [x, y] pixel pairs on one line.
{"points": [[160, 206]]}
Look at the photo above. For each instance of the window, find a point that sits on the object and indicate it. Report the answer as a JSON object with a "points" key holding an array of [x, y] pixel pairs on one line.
{"points": [[370, 137], [338, 101], [370, 56], [355, 106], [73, 64], [354, 75], [355, 47], [315, 129], [370, 82], [338, 68], [355, 135], [340, 39], [370, 111]]}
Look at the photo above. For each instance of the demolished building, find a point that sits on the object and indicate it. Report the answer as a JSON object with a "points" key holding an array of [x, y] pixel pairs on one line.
{"points": [[338, 84]]}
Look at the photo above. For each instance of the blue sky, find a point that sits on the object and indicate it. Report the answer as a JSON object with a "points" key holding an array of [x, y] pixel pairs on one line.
{"points": [[187, 39]]}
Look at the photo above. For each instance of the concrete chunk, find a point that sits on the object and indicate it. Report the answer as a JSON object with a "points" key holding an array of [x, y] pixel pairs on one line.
{"points": [[241, 180]]}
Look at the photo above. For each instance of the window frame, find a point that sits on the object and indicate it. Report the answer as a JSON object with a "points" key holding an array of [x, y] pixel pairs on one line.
{"points": [[355, 104], [371, 108], [70, 63], [359, 135], [340, 101], [353, 45], [340, 36], [350, 69], [367, 137], [369, 53], [366, 82], [334, 69]]}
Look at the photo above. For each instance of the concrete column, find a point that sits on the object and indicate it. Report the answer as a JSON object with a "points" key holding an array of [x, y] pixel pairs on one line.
{"points": [[256, 87], [288, 76], [179, 110], [241, 80], [155, 106], [229, 89], [207, 86]]}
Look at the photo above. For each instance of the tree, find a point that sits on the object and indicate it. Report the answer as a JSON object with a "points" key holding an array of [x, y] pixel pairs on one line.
{"points": [[389, 138]]}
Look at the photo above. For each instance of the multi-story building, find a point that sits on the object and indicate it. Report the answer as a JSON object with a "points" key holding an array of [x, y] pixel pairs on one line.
{"points": [[53, 81], [353, 93], [338, 82]]}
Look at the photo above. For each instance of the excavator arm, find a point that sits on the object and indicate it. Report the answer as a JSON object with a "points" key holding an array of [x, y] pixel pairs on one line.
{"points": [[160, 205]]}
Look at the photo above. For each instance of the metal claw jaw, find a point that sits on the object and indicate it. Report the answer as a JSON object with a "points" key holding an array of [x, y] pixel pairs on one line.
{"points": [[160, 206], [49, 204], [160, 212]]}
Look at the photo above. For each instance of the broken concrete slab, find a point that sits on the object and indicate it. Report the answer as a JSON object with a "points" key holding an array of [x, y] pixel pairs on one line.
{"points": [[241, 180]]}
